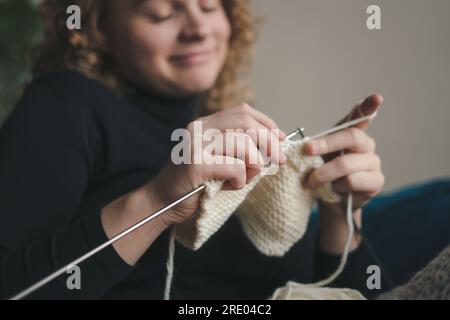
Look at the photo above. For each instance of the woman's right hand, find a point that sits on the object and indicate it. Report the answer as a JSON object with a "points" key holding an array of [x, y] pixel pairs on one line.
{"points": [[253, 133], [175, 181]]}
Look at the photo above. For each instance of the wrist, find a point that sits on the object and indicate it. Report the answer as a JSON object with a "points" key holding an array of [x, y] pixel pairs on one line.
{"points": [[336, 214], [157, 202], [127, 211], [334, 228], [140, 204]]}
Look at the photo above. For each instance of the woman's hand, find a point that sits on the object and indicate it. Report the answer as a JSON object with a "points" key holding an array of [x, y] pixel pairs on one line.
{"points": [[357, 170], [252, 132], [235, 164]]}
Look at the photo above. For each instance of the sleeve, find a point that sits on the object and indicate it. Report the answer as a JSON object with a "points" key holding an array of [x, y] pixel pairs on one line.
{"points": [[354, 275], [44, 169]]}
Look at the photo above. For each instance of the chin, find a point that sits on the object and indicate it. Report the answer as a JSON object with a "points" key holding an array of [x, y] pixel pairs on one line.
{"points": [[196, 83]]}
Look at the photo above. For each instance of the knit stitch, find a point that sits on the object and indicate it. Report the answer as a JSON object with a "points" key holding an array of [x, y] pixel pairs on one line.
{"points": [[273, 209], [431, 283]]}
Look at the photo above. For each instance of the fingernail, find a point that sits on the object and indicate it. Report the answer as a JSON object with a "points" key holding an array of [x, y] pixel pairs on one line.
{"points": [[367, 108]]}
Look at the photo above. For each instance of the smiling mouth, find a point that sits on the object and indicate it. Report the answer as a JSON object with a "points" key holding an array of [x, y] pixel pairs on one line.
{"points": [[192, 58]]}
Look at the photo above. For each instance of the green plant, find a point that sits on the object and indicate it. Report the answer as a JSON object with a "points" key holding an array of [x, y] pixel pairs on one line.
{"points": [[20, 29]]}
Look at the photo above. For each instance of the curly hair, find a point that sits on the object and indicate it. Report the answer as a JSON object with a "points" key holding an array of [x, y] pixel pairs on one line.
{"points": [[83, 50]]}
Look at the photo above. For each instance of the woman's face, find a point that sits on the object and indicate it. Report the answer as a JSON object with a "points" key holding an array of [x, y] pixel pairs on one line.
{"points": [[174, 47]]}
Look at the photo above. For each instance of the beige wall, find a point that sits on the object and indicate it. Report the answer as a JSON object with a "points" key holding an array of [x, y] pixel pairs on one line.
{"points": [[316, 58]]}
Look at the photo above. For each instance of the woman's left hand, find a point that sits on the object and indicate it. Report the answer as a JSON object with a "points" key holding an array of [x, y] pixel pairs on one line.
{"points": [[357, 170]]}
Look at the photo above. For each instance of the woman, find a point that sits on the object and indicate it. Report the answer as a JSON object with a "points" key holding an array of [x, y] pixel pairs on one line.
{"points": [[86, 153]]}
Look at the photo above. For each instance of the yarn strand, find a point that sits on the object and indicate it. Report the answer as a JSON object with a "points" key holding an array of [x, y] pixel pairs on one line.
{"points": [[169, 266], [344, 257]]}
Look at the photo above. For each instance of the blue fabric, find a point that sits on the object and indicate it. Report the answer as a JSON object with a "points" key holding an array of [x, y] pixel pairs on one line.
{"points": [[408, 228]]}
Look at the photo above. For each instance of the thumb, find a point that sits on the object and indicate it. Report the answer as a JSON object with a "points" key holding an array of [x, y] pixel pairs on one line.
{"points": [[365, 108]]}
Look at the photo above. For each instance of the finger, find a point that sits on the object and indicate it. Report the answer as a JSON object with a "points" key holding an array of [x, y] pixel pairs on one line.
{"points": [[262, 118], [352, 139], [251, 174], [368, 182], [369, 106], [270, 146], [232, 171], [267, 142], [359, 200], [342, 166], [237, 145]]}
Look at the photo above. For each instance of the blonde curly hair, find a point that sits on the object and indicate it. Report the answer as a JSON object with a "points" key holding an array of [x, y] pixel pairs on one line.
{"points": [[83, 51]]}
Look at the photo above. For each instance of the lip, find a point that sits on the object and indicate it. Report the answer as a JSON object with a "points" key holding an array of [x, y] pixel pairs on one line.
{"points": [[192, 58]]}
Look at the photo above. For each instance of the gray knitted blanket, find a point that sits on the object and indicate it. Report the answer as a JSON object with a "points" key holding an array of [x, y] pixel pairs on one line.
{"points": [[431, 283]]}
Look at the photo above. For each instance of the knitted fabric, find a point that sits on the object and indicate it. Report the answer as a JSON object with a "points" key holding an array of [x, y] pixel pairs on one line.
{"points": [[273, 209], [297, 291], [431, 283]]}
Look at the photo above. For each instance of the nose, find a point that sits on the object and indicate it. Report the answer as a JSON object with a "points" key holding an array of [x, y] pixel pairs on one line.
{"points": [[196, 27]]}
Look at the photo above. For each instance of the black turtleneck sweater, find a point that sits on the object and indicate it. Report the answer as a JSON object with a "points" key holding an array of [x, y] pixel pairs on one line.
{"points": [[70, 147]]}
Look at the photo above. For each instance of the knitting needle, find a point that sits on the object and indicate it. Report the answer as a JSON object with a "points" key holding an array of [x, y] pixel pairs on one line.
{"points": [[124, 233], [300, 131], [116, 238]]}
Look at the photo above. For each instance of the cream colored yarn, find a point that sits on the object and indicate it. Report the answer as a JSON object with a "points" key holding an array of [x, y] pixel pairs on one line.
{"points": [[297, 291], [273, 209]]}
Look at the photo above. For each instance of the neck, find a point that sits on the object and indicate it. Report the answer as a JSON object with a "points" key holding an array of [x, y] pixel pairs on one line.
{"points": [[177, 111]]}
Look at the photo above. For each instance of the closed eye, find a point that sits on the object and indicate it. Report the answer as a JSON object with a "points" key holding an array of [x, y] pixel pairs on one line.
{"points": [[210, 5]]}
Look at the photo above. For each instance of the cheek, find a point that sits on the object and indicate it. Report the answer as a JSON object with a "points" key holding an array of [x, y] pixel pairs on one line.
{"points": [[152, 44], [222, 30]]}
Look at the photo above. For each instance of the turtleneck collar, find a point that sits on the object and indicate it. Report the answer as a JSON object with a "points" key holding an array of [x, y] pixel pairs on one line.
{"points": [[176, 112]]}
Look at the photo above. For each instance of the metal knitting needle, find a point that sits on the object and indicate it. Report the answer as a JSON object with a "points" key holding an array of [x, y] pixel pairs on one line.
{"points": [[124, 233], [116, 238], [300, 131]]}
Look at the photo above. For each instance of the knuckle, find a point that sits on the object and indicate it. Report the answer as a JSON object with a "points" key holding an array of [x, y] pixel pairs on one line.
{"points": [[352, 183], [241, 139], [316, 177], [243, 108], [377, 160], [253, 134], [195, 173], [240, 174], [325, 145], [190, 126], [342, 165], [372, 144], [247, 121], [358, 136], [248, 140]]}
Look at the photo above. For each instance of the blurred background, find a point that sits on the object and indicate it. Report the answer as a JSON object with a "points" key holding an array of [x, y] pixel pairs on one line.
{"points": [[316, 59], [20, 29]]}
